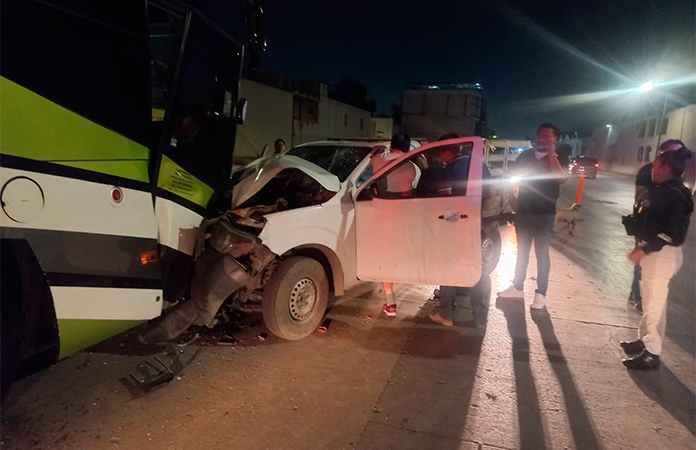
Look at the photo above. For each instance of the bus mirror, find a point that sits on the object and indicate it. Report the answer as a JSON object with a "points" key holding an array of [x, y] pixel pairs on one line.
{"points": [[241, 110]]}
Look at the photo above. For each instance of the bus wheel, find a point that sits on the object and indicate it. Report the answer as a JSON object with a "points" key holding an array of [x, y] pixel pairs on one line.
{"points": [[295, 298], [490, 248], [10, 334]]}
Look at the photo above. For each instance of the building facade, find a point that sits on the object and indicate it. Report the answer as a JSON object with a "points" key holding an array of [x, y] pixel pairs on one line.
{"points": [[626, 147], [295, 111], [432, 110]]}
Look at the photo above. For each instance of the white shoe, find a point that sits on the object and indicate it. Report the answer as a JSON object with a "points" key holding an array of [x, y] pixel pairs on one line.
{"points": [[511, 292], [539, 301]]}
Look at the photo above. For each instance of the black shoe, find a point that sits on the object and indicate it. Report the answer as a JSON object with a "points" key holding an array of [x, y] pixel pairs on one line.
{"points": [[632, 348], [639, 307], [644, 361]]}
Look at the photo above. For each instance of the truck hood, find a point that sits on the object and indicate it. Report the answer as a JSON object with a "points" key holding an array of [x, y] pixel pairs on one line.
{"points": [[261, 172]]}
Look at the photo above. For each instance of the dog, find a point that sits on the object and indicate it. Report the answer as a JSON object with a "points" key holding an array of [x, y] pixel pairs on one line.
{"points": [[569, 216]]}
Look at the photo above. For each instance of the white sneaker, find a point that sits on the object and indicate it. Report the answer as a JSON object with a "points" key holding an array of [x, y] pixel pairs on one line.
{"points": [[539, 301], [511, 292]]}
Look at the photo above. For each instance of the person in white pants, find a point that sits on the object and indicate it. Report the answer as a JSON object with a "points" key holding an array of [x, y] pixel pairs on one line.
{"points": [[662, 222]]}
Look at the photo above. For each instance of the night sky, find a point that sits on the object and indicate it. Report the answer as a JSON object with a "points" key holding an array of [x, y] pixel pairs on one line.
{"points": [[528, 55]]}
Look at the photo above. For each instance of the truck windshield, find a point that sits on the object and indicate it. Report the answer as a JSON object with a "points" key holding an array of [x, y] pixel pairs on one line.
{"points": [[338, 160]]}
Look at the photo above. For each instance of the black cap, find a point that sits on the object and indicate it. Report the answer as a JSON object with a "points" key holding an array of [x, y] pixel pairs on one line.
{"points": [[401, 141]]}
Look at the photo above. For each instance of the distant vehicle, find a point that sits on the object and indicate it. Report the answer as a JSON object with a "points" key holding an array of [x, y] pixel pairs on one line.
{"points": [[584, 164]]}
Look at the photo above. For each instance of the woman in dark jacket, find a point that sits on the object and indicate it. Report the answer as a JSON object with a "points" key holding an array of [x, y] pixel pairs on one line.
{"points": [[662, 221]]}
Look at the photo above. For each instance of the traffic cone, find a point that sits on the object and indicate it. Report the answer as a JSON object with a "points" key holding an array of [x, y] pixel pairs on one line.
{"points": [[581, 184]]}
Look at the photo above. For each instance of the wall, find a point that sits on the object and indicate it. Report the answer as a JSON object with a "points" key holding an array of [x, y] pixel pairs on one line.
{"points": [[382, 128], [269, 117], [335, 120], [431, 113]]}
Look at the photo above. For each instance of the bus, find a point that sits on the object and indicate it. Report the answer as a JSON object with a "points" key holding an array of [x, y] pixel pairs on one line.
{"points": [[117, 127]]}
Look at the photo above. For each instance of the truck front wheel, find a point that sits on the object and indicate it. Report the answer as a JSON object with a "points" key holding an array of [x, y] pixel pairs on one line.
{"points": [[295, 298], [490, 248]]}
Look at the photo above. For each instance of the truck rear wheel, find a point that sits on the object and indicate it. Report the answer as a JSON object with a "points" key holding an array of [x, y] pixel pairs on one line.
{"points": [[295, 298], [490, 248]]}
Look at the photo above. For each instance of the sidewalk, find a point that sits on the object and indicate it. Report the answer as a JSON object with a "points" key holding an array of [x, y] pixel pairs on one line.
{"points": [[533, 380]]}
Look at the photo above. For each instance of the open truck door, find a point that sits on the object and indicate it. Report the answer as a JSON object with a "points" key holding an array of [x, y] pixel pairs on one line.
{"points": [[432, 236]]}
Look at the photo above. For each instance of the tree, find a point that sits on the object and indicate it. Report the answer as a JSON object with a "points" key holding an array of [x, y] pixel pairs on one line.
{"points": [[354, 93]]}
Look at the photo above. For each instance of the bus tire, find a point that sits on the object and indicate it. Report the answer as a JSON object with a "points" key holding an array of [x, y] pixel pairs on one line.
{"points": [[295, 298], [10, 334], [490, 248]]}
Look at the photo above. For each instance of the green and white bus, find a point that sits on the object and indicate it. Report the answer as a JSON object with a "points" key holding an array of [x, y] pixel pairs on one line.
{"points": [[117, 126]]}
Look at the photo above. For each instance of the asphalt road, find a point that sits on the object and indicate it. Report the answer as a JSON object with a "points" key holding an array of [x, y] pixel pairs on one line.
{"points": [[600, 246]]}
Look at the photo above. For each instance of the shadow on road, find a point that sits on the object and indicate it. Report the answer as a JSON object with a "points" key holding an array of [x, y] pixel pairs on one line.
{"points": [[528, 411], [663, 387], [426, 402], [581, 424]]}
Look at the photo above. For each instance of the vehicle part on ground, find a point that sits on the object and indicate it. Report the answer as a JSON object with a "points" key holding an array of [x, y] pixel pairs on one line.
{"points": [[490, 248], [295, 299]]}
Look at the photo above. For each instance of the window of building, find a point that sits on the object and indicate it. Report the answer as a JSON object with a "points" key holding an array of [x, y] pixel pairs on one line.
{"points": [[640, 153], [641, 130], [651, 127], [345, 120], [663, 128], [648, 150], [362, 124]]}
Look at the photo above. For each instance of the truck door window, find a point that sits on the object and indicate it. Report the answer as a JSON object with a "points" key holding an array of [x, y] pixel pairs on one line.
{"points": [[440, 172]]}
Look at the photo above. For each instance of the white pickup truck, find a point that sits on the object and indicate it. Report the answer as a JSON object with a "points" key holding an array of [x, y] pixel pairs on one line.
{"points": [[301, 225]]}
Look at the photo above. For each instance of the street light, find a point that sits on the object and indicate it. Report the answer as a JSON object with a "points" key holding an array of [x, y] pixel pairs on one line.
{"points": [[647, 86]]}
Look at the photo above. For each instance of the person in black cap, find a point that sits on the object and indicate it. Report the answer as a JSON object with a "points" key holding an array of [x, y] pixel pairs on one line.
{"points": [[644, 185], [660, 225]]}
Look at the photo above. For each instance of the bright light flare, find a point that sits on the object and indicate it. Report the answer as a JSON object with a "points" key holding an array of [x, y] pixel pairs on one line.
{"points": [[647, 86]]}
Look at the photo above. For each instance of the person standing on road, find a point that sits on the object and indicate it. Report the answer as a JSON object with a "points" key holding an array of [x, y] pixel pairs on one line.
{"points": [[644, 185], [660, 225], [541, 175], [400, 184]]}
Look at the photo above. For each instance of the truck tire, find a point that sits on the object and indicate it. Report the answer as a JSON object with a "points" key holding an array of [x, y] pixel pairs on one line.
{"points": [[295, 298], [490, 248]]}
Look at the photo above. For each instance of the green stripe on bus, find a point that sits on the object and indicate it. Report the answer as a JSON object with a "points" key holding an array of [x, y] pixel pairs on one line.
{"points": [[175, 179], [34, 127], [78, 334]]}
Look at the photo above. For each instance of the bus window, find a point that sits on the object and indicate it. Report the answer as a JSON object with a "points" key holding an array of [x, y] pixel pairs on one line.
{"points": [[88, 57], [202, 127]]}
